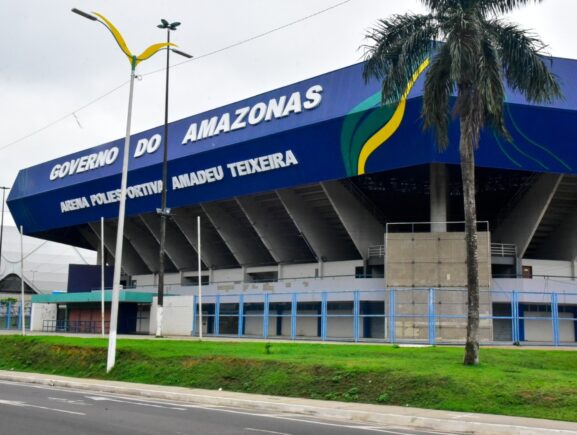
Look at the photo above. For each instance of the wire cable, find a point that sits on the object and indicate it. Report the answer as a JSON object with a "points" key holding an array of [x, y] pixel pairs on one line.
{"points": [[62, 118], [202, 56]]}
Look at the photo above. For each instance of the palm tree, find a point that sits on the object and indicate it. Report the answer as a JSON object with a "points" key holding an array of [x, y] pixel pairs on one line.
{"points": [[472, 53]]}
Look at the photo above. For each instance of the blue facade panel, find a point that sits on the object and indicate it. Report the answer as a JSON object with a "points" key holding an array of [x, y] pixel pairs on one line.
{"points": [[328, 127]]}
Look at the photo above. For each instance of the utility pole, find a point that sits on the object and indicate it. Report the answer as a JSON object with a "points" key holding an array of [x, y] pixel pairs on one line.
{"points": [[22, 312], [4, 189], [163, 211]]}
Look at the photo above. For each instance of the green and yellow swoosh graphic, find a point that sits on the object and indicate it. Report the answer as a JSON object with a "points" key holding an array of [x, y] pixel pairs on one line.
{"points": [[363, 132]]}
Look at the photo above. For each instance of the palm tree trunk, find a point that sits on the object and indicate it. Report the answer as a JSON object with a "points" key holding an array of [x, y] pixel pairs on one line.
{"points": [[466, 149]]}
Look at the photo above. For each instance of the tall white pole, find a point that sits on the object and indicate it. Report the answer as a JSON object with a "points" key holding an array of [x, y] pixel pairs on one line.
{"points": [[120, 234], [22, 313], [199, 280], [4, 189], [102, 276]]}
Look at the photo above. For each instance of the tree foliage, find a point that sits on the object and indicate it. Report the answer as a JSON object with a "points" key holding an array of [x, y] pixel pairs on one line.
{"points": [[473, 55]]}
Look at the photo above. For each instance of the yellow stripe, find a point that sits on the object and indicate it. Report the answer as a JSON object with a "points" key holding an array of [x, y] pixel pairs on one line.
{"points": [[153, 49], [381, 136], [116, 34]]}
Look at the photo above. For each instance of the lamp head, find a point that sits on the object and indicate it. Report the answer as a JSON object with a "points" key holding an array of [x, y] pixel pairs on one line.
{"points": [[182, 53], [166, 25], [84, 14]]}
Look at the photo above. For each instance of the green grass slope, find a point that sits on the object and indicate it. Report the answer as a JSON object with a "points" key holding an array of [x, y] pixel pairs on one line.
{"points": [[532, 383]]}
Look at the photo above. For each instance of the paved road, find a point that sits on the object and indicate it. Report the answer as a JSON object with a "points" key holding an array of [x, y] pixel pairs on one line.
{"points": [[35, 409]]}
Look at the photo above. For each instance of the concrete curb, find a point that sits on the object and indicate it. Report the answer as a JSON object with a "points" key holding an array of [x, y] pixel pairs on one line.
{"points": [[453, 422]]}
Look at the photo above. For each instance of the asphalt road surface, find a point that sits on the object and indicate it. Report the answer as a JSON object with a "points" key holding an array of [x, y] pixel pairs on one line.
{"points": [[27, 409]]}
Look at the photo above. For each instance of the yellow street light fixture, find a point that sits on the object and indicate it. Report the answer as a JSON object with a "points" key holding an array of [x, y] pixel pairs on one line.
{"points": [[134, 61]]}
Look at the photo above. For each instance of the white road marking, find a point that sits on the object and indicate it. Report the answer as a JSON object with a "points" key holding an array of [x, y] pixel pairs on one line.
{"points": [[266, 431], [68, 401], [131, 402], [28, 405], [221, 408]]}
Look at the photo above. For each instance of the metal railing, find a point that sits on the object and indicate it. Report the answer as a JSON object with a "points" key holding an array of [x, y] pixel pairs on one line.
{"points": [[503, 250], [74, 326], [423, 316], [11, 316], [377, 251]]}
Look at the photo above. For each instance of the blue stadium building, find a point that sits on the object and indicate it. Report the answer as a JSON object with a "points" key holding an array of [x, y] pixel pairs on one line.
{"points": [[325, 215]]}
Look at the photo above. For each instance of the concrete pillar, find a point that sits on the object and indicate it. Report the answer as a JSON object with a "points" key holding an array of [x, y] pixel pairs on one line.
{"points": [[439, 191]]}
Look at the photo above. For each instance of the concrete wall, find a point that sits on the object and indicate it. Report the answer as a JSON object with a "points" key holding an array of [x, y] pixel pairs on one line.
{"points": [[340, 268], [412, 307], [551, 268], [542, 330], [177, 318], [312, 285], [533, 289], [433, 260], [225, 278], [151, 280], [308, 270], [41, 312]]}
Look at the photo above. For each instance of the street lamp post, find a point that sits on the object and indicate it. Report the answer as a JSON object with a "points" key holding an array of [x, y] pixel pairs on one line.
{"points": [[164, 212], [134, 61], [4, 189]]}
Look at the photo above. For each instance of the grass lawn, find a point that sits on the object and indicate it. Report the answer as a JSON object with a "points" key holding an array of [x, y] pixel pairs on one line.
{"points": [[532, 383]]}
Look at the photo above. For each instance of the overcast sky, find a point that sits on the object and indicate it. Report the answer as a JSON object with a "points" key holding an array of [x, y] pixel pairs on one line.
{"points": [[55, 62]]}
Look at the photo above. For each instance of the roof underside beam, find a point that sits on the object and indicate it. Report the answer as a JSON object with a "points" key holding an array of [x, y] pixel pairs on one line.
{"points": [[176, 246], [562, 243], [132, 263], [324, 239], [520, 225], [144, 243], [363, 227], [237, 233], [215, 254], [277, 231]]}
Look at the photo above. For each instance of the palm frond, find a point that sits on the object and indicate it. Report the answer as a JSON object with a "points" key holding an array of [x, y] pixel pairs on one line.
{"points": [[490, 86], [502, 6], [438, 90], [483, 6], [398, 47], [524, 66]]}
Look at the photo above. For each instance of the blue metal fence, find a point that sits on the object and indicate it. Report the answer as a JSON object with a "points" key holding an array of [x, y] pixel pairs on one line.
{"points": [[427, 316], [11, 316]]}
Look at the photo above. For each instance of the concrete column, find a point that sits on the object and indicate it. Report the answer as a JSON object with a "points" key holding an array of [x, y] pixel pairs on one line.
{"points": [[439, 191]]}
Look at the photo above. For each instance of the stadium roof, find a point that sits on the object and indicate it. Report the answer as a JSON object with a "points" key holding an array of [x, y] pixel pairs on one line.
{"points": [[329, 127]]}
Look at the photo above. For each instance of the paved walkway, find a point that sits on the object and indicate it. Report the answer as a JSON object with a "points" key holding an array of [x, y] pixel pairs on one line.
{"points": [[452, 422]]}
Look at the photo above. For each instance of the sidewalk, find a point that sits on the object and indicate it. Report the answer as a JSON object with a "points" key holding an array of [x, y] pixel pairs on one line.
{"points": [[453, 422]]}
